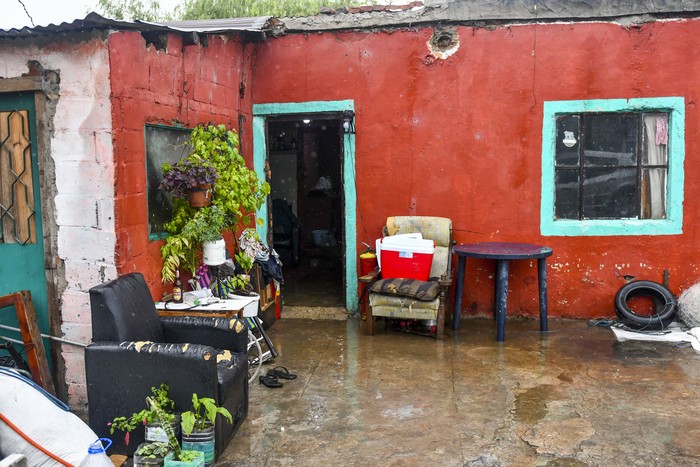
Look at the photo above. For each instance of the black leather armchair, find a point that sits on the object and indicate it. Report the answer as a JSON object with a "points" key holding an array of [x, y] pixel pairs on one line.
{"points": [[134, 349]]}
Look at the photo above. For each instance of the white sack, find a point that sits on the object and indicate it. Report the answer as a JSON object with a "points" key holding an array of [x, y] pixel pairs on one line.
{"points": [[33, 412]]}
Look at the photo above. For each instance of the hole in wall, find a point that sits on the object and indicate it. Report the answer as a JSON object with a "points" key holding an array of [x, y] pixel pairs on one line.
{"points": [[443, 43]]}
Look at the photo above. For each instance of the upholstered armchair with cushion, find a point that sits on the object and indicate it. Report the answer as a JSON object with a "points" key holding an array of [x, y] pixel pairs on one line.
{"points": [[134, 350], [412, 299]]}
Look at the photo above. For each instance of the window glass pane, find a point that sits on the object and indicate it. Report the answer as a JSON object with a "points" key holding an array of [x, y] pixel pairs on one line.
{"points": [[654, 193], [567, 144], [163, 144], [655, 151], [566, 194], [610, 139], [610, 193]]}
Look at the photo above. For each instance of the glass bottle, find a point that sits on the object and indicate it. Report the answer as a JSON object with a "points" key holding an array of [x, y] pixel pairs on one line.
{"points": [[177, 288]]}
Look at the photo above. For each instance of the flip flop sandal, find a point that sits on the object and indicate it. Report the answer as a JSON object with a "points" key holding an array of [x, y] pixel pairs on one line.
{"points": [[281, 372], [270, 381]]}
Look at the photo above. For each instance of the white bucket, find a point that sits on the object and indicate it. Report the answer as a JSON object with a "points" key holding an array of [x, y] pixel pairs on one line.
{"points": [[214, 253]]}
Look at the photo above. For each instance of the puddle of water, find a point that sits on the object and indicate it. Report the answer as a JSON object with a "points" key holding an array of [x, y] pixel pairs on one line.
{"points": [[531, 405]]}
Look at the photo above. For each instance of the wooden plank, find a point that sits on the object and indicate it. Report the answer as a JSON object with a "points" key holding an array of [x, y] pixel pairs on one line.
{"points": [[24, 83], [24, 187], [31, 336], [6, 178], [16, 178]]}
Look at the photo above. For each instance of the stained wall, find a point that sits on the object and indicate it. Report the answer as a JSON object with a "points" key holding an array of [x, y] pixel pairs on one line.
{"points": [[461, 137], [178, 84]]}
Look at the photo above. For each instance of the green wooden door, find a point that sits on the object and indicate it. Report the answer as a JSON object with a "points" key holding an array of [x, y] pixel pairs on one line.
{"points": [[21, 239]]}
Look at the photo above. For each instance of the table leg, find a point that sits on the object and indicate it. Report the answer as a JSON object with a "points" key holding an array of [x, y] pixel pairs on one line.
{"points": [[542, 282], [496, 292], [502, 299], [459, 286]]}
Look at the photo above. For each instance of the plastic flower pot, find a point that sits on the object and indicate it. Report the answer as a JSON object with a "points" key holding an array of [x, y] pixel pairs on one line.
{"points": [[202, 441], [197, 462]]}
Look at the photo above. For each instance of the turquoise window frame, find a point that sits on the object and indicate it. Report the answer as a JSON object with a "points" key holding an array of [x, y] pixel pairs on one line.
{"points": [[260, 114], [671, 225]]}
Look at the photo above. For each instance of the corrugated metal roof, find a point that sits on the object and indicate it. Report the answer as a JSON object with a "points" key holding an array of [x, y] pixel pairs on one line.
{"points": [[94, 21], [255, 24]]}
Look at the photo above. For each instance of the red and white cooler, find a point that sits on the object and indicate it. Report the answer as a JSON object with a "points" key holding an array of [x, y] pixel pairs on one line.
{"points": [[408, 256]]}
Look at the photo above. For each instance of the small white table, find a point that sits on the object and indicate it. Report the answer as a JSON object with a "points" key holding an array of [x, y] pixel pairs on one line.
{"points": [[229, 308]]}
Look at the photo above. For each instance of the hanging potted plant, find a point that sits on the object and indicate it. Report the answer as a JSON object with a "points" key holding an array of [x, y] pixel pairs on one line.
{"points": [[235, 198], [198, 426], [190, 179]]}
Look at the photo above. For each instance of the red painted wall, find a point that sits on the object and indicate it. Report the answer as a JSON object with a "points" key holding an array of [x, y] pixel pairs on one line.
{"points": [[462, 138], [189, 84]]}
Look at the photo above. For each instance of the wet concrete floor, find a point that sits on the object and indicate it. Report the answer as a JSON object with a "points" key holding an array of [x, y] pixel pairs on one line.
{"points": [[572, 397]]}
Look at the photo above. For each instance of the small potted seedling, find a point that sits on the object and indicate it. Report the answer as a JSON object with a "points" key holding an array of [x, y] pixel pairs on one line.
{"points": [[151, 454], [198, 426], [177, 457], [148, 418]]}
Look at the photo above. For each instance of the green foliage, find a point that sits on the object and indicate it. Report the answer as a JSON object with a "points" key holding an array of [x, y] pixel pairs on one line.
{"points": [[245, 261], [153, 449], [237, 195], [149, 10], [203, 410], [147, 415], [169, 432], [201, 9], [134, 9], [188, 456]]}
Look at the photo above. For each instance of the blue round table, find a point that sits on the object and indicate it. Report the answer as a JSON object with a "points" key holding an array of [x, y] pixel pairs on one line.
{"points": [[502, 252]]}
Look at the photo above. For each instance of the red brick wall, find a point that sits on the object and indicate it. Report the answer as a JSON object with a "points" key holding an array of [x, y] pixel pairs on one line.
{"points": [[191, 84], [462, 138]]}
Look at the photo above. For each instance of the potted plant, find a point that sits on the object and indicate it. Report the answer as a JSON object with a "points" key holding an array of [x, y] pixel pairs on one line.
{"points": [[198, 426], [148, 418], [177, 457], [245, 262], [151, 454], [236, 196], [190, 179]]}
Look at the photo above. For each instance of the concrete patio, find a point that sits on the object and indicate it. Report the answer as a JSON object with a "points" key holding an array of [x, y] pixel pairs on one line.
{"points": [[572, 397]]}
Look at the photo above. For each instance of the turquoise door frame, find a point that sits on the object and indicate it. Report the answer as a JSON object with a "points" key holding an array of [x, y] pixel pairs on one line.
{"points": [[260, 114], [22, 265]]}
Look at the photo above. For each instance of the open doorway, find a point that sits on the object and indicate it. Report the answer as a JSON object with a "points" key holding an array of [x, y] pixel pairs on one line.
{"points": [[305, 155]]}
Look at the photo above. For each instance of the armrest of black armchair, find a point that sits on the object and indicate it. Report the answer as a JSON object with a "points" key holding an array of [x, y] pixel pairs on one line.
{"points": [[221, 333]]}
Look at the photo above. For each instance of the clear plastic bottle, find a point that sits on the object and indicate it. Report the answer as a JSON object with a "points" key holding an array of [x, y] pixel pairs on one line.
{"points": [[96, 455]]}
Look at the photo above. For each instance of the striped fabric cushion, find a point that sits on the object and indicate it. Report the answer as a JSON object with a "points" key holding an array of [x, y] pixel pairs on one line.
{"points": [[413, 288]]}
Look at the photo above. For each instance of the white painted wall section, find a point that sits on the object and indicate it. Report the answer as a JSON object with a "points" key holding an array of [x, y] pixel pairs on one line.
{"points": [[81, 147]]}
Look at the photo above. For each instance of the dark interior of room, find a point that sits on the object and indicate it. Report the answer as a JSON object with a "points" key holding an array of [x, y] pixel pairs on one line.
{"points": [[305, 154]]}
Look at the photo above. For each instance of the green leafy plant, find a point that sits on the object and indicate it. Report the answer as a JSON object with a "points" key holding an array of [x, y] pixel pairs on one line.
{"points": [[240, 282], [153, 449], [188, 456], [147, 415], [237, 195], [244, 261], [204, 410], [178, 453]]}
